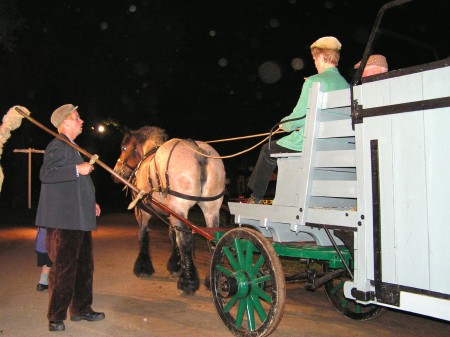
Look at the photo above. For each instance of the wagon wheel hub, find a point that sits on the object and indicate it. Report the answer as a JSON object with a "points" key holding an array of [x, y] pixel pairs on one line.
{"points": [[238, 284]]}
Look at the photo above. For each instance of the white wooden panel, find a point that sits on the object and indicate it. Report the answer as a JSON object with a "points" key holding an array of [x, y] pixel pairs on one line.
{"points": [[375, 94], [330, 188], [406, 88], [344, 158], [380, 128], [334, 99], [363, 269], [332, 217], [339, 128], [425, 305], [288, 180], [436, 83], [410, 204], [437, 157]]}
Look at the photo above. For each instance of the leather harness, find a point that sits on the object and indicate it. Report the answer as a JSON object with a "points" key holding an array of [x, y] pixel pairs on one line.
{"points": [[167, 190]]}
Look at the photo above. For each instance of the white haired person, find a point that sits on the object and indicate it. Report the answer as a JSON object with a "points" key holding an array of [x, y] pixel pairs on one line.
{"points": [[326, 53]]}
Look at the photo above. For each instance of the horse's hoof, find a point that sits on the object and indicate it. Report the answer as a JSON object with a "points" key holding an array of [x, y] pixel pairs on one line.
{"points": [[143, 273], [185, 293]]}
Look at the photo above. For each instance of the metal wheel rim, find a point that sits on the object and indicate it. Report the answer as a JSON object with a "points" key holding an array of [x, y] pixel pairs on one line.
{"points": [[257, 307]]}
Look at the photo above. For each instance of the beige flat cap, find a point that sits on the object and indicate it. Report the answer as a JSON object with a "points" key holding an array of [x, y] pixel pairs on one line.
{"points": [[327, 42], [61, 113]]}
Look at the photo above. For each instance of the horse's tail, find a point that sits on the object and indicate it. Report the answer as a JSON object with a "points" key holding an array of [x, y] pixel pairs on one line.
{"points": [[202, 161]]}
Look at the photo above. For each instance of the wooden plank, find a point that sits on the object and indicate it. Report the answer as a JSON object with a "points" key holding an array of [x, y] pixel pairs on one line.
{"points": [[338, 128], [343, 158], [334, 188]]}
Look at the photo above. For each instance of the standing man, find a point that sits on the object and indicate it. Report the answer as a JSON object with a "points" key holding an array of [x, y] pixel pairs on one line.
{"points": [[325, 52], [67, 208]]}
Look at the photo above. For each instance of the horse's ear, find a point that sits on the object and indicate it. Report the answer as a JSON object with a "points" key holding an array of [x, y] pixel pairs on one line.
{"points": [[125, 130]]}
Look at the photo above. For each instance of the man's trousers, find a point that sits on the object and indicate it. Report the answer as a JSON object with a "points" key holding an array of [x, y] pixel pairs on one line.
{"points": [[71, 276]]}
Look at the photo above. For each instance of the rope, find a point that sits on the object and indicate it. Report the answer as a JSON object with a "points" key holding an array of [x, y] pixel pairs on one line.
{"points": [[237, 138], [186, 143]]}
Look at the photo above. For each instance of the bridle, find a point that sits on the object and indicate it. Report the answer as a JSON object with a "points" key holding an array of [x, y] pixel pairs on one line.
{"points": [[124, 162]]}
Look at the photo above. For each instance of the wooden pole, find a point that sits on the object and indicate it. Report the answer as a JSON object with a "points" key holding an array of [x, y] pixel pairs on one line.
{"points": [[29, 151]]}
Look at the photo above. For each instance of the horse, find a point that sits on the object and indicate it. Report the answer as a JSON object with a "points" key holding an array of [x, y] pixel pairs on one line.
{"points": [[179, 174]]}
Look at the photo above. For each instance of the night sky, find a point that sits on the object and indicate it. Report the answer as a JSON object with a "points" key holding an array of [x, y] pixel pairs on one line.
{"points": [[199, 69]]}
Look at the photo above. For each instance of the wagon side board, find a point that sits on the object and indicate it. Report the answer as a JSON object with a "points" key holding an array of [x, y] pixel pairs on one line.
{"points": [[403, 146]]}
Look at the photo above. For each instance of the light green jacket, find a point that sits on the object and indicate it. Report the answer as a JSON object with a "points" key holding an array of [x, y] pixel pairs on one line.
{"points": [[331, 80]]}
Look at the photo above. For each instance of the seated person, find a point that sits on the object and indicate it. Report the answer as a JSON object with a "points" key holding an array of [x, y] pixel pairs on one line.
{"points": [[325, 52], [376, 64]]}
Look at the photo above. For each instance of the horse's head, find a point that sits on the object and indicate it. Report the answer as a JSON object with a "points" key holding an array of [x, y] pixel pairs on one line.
{"points": [[135, 145], [130, 156]]}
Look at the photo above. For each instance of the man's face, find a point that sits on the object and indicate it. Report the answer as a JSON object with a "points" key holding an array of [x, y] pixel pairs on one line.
{"points": [[373, 70], [75, 123]]}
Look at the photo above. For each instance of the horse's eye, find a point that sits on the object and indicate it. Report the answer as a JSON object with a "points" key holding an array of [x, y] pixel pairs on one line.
{"points": [[124, 148]]}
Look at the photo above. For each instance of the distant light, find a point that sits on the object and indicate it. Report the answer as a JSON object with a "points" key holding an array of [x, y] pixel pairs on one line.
{"points": [[132, 9], [274, 23], [297, 63], [292, 2], [269, 72], [101, 128], [212, 33], [104, 25], [223, 62]]}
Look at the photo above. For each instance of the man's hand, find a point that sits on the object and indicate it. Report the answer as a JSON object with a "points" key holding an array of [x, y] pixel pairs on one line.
{"points": [[85, 169]]}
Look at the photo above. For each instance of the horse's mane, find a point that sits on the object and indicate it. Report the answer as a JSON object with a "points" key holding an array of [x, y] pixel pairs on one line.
{"points": [[154, 134]]}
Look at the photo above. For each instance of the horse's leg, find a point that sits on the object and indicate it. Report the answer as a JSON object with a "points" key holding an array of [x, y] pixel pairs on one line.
{"points": [[174, 263], [143, 265], [188, 282], [211, 212]]}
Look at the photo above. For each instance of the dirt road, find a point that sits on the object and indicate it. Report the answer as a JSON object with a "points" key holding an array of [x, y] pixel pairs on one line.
{"points": [[137, 307]]}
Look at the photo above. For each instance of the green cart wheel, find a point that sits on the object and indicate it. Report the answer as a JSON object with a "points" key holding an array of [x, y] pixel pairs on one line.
{"points": [[347, 307], [247, 283]]}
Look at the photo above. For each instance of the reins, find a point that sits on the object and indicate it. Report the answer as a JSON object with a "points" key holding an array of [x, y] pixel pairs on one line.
{"points": [[268, 134], [279, 130]]}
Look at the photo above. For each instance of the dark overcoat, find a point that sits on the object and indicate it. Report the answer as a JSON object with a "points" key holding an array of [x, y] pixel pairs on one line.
{"points": [[67, 200]]}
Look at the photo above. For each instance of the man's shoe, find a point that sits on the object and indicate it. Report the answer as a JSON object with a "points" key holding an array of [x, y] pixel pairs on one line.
{"points": [[41, 287], [90, 316], [253, 200], [56, 326]]}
